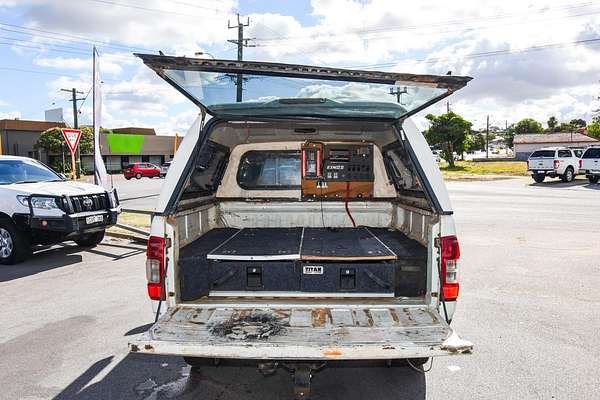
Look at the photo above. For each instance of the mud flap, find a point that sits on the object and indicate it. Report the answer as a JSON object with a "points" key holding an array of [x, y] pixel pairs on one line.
{"points": [[326, 333]]}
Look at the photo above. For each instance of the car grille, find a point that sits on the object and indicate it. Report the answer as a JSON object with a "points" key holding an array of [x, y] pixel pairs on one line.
{"points": [[90, 202]]}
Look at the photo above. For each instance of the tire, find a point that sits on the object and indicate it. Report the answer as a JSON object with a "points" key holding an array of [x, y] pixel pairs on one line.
{"points": [[568, 176], [128, 178], [15, 246], [90, 240], [593, 179], [138, 176], [538, 178]]}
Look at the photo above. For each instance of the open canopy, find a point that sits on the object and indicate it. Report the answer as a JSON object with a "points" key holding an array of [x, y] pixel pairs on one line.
{"points": [[247, 88]]}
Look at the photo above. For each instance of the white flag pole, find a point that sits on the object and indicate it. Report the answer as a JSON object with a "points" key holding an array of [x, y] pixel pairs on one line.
{"points": [[99, 167]]}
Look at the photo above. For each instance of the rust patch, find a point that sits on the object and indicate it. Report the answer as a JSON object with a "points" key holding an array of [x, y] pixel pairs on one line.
{"points": [[149, 347], [319, 317], [388, 347], [332, 353], [134, 348], [369, 317]]}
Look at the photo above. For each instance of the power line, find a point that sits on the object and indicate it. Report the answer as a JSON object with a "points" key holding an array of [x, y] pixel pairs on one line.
{"points": [[485, 53], [148, 9], [436, 24], [26, 31]]}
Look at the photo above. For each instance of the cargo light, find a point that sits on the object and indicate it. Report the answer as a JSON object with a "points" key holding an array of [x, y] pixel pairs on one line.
{"points": [[155, 266], [450, 255], [556, 164]]}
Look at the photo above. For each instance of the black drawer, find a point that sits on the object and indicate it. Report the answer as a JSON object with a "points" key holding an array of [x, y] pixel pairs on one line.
{"points": [[254, 275], [357, 277]]}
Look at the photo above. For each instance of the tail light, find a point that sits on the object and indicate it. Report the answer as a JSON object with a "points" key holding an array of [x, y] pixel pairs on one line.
{"points": [[450, 255], [580, 164], [155, 267], [556, 164]]}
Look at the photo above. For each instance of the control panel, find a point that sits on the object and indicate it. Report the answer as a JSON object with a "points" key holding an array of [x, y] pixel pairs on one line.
{"points": [[337, 170]]}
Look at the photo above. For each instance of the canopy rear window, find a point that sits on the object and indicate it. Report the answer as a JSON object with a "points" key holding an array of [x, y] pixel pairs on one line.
{"points": [[543, 153], [237, 88]]}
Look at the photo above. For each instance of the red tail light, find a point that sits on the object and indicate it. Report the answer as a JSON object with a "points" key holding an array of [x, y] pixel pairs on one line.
{"points": [[450, 255], [155, 267], [580, 163], [556, 164]]}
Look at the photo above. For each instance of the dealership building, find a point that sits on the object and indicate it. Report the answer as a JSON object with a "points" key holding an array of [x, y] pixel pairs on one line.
{"points": [[120, 147]]}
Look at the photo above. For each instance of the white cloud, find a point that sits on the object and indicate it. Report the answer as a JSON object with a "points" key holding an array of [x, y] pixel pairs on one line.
{"points": [[10, 115], [107, 66]]}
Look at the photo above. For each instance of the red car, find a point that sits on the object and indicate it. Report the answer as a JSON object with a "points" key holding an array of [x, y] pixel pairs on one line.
{"points": [[140, 169]]}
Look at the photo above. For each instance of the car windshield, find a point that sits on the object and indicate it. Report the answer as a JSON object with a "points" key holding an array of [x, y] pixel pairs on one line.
{"points": [[25, 171], [543, 153]]}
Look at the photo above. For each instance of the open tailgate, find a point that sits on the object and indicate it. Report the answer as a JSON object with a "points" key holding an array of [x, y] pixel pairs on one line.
{"points": [[302, 333]]}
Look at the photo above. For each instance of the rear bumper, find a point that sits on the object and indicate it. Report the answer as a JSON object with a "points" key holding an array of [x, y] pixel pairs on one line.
{"points": [[308, 334]]}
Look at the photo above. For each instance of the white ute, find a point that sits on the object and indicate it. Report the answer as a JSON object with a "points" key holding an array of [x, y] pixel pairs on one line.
{"points": [[554, 162], [303, 221], [590, 163], [38, 206]]}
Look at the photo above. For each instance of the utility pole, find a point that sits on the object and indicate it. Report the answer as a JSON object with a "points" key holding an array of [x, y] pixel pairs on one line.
{"points": [[487, 137], [398, 93], [74, 100], [447, 106], [241, 43]]}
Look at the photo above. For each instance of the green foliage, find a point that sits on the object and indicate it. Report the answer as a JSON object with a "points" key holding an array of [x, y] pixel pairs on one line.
{"points": [[52, 141], [577, 123], [593, 129], [564, 127], [552, 123], [450, 131], [526, 125]]}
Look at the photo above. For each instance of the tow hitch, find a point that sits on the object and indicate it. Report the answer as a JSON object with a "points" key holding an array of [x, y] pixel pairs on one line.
{"points": [[302, 374]]}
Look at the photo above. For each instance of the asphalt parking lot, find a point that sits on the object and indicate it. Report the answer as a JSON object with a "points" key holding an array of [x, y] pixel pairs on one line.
{"points": [[529, 282]]}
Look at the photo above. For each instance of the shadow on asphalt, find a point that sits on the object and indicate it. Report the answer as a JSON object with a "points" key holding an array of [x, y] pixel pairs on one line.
{"points": [[139, 329], [140, 376], [46, 258], [558, 184]]}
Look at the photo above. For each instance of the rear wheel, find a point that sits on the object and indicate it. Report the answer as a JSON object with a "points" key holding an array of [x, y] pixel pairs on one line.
{"points": [[593, 179], [128, 177], [539, 178], [568, 176], [14, 245], [138, 176], [90, 240]]}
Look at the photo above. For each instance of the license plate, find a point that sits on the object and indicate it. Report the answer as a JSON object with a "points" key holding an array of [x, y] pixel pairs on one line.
{"points": [[313, 269], [94, 219]]}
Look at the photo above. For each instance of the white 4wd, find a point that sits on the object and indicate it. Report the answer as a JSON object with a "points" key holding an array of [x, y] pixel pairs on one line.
{"points": [[553, 162], [590, 163], [37, 206]]}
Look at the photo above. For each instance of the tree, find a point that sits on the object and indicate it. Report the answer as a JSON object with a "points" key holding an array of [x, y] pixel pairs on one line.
{"points": [[450, 131], [526, 125], [578, 123], [564, 127], [52, 142], [593, 129], [552, 122]]}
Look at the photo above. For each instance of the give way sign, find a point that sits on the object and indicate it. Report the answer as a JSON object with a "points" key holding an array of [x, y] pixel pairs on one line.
{"points": [[72, 137]]}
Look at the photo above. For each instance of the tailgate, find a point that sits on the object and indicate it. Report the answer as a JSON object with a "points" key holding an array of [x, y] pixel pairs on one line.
{"points": [[303, 333], [541, 163]]}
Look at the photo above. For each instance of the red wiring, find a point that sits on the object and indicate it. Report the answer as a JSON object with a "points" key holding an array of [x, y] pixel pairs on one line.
{"points": [[346, 204]]}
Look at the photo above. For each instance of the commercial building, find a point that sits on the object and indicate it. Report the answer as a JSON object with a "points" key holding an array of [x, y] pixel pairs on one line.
{"points": [[120, 147], [526, 144], [18, 137]]}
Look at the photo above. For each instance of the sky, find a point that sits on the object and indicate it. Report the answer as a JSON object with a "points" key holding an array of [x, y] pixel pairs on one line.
{"points": [[528, 58]]}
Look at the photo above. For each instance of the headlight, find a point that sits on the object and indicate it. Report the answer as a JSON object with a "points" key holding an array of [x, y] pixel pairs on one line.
{"points": [[23, 200], [44, 203]]}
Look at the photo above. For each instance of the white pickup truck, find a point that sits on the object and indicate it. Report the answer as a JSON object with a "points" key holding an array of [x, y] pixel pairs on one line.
{"points": [[304, 223], [554, 162], [38, 206], [590, 163]]}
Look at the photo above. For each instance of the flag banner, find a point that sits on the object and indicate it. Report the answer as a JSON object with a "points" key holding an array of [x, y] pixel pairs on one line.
{"points": [[100, 176]]}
